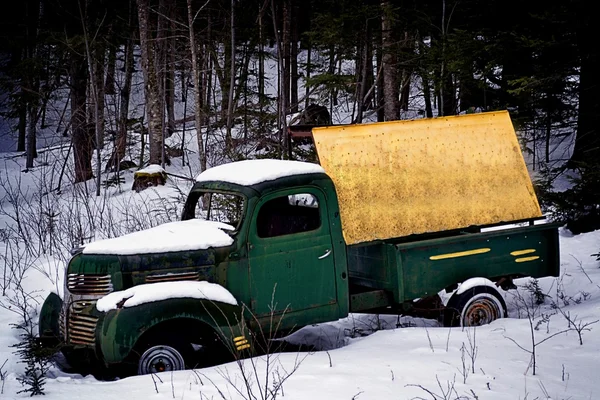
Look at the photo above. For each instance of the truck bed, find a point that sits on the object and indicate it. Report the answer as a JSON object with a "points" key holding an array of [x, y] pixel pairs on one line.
{"points": [[414, 269]]}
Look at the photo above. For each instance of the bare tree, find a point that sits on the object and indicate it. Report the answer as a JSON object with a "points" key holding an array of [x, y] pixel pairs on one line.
{"points": [[231, 88], [196, 82], [124, 95], [82, 141], [389, 60], [151, 84]]}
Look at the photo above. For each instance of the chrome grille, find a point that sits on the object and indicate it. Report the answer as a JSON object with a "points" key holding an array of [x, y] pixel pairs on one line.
{"points": [[81, 327], [172, 277], [90, 284]]}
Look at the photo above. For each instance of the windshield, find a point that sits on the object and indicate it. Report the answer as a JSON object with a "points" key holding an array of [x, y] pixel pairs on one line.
{"points": [[227, 208]]}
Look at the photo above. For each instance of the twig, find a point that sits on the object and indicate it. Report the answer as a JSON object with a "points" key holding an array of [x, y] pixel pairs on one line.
{"points": [[581, 268], [357, 394], [154, 380]]}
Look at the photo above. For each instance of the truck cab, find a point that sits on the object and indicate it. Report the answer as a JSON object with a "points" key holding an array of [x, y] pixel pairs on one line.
{"points": [[288, 257]]}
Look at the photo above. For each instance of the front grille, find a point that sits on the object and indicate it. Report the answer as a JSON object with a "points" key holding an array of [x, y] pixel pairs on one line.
{"points": [[172, 277], [81, 328], [89, 284], [61, 324]]}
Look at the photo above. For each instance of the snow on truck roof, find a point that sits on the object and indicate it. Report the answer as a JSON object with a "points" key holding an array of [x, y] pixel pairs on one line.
{"points": [[252, 172]]}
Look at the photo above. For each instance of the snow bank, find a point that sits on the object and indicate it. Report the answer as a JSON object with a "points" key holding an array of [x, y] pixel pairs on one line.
{"points": [[152, 292], [193, 234], [251, 172]]}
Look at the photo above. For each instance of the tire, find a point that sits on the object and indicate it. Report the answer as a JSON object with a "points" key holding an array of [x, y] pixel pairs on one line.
{"points": [[160, 358], [477, 306], [174, 353], [160, 352]]}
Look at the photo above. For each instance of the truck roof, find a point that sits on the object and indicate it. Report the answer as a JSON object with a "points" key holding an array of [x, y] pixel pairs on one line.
{"points": [[253, 172]]}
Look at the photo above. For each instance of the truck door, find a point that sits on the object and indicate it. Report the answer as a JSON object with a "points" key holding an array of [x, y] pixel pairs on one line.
{"points": [[292, 268]]}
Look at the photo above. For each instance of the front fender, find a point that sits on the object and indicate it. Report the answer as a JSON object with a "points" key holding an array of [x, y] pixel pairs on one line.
{"points": [[121, 329], [48, 324]]}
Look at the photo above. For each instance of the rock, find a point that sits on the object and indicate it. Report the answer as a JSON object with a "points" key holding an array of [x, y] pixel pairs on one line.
{"points": [[152, 175]]}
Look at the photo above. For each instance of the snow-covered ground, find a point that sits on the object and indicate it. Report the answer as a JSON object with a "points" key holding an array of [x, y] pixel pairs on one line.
{"points": [[360, 357]]}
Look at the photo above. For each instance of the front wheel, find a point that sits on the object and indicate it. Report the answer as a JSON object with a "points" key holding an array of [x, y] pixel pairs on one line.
{"points": [[476, 306], [160, 358]]}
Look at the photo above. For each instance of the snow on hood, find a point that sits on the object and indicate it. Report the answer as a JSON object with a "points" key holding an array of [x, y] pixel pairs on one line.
{"points": [[151, 292], [251, 172], [193, 234]]}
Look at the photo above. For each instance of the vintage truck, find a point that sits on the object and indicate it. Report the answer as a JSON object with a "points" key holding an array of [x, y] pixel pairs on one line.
{"points": [[394, 215]]}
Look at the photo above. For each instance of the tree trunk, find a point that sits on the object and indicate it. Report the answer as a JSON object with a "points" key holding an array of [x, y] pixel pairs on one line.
{"points": [[262, 99], [22, 112], [286, 46], [390, 75], [228, 139], [362, 77], [198, 118], [261, 59], [151, 84], [380, 100], [111, 67], [587, 141], [82, 140], [170, 73], [282, 104], [32, 81], [308, 71], [121, 139], [32, 117], [294, 58], [99, 70], [407, 72]]}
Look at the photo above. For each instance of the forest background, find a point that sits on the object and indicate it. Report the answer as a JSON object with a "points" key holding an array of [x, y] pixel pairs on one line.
{"points": [[69, 67]]}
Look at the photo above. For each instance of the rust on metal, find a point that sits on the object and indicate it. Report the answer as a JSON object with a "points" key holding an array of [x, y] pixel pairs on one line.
{"points": [[400, 178]]}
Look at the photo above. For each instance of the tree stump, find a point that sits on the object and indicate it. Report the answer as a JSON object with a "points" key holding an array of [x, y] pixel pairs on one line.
{"points": [[152, 175]]}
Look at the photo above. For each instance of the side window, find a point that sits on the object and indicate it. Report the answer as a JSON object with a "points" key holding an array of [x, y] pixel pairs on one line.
{"points": [[286, 215]]}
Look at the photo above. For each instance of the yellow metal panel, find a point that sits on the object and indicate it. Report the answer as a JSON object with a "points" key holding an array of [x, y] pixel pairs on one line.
{"points": [[522, 252], [409, 177], [525, 259], [460, 254]]}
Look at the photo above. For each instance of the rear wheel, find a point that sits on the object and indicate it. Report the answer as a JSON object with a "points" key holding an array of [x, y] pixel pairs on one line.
{"points": [[477, 306]]}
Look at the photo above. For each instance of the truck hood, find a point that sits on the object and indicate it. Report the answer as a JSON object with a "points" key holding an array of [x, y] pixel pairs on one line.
{"points": [[193, 234]]}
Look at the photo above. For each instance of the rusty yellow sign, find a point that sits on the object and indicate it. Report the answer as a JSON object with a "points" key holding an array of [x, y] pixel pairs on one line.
{"points": [[409, 177]]}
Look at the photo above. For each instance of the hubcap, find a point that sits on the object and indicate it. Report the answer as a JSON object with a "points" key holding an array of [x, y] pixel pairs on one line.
{"points": [[480, 312], [159, 359]]}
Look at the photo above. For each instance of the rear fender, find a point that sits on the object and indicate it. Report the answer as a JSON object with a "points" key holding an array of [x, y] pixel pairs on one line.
{"points": [[466, 285], [122, 328]]}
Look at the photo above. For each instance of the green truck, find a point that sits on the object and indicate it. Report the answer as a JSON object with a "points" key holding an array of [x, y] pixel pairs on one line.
{"points": [[266, 247]]}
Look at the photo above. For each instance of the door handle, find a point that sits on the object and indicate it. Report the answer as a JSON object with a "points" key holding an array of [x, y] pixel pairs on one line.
{"points": [[328, 252]]}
